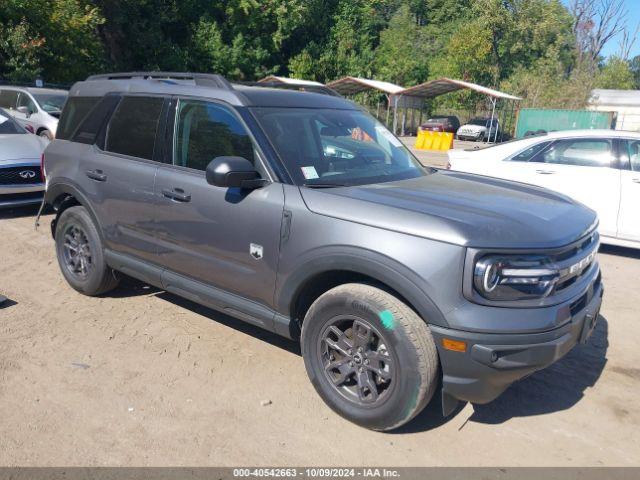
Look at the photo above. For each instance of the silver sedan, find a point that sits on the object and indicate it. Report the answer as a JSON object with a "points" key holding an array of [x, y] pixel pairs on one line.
{"points": [[21, 179]]}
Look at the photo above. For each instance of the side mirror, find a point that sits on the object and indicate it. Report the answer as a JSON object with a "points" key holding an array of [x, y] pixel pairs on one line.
{"points": [[25, 110], [233, 172]]}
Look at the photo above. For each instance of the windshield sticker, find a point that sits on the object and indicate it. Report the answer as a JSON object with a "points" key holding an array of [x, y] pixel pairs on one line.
{"points": [[388, 136], [309, 173]]}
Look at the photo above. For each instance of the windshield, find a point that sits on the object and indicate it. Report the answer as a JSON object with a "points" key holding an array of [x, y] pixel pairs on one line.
{"points": [[329, 147], [50, 102], [8, 125]]}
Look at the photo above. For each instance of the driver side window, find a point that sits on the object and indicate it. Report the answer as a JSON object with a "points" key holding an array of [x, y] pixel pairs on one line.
{"points": [[25, 101], [204, 131], [582, 152]]}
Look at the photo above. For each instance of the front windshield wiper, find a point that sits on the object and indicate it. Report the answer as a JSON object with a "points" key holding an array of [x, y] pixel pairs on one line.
{"points": [[324, 185]]}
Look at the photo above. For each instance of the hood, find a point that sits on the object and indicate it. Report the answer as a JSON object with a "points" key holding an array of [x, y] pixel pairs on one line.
{"points": [[462, 209], [472, 128], [25, 146]]}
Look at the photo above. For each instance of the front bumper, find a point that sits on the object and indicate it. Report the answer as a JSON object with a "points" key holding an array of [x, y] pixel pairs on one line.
{"points": [[492, 362], [20, 195]]}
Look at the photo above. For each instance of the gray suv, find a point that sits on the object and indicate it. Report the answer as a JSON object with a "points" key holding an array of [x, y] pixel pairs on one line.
{"points": [[300, 213]]}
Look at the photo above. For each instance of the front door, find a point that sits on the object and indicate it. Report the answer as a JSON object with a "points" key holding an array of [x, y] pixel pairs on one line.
{"points": [[224, 238], [629, 218], [586, 170], [31, 119]]}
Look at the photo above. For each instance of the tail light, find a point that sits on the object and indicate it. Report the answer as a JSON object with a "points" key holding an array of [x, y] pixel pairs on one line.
{"points": [[42, 172]]}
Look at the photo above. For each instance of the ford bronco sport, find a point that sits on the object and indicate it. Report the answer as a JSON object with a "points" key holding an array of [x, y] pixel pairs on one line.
{"points": [[300, 213]]}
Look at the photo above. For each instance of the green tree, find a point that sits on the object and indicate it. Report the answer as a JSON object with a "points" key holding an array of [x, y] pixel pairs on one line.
{"points": [[615, 74], [403, 53]]}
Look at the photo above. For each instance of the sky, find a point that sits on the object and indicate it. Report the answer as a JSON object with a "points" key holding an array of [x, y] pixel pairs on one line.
{"points": [[633, 18]]}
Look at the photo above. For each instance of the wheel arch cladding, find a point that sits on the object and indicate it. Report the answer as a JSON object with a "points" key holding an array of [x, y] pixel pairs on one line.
{"points": [[63, 196], [311, 279]]}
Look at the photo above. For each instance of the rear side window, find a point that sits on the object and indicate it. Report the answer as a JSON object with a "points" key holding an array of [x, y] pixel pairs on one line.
{"points": [[132, 129], [93, 122], [8, 98], [74, 111]]}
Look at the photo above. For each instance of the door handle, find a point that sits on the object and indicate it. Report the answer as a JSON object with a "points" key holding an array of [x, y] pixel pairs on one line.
{"points": [[635, 180], [97, 175], [176, 194], [545, 172]]}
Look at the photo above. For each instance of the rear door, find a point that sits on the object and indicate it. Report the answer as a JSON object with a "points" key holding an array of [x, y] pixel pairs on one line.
{"points": [[118, 173], [585, 169], [629, 218], [225, 238]]}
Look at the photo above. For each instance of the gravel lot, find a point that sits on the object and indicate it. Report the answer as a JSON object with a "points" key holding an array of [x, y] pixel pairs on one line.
{"points": [[141, 377]]}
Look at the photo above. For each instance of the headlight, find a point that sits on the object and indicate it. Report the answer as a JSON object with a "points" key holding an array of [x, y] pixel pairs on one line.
{"points": [[514, 277]]}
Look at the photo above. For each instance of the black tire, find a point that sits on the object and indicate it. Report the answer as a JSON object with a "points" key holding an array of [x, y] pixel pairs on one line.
{"points": [[398, 336], [46, 134], [97, 277]]}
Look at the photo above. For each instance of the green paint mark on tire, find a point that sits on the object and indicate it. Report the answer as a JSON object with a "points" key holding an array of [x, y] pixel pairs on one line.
{"points": [[386, 317]]}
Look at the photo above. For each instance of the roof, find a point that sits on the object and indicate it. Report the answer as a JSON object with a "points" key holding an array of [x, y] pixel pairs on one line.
{"points": [[291, 81], [35, 90], [625, 98], [591, 133], [205, 86], [285, 98], [441, 86], [352, 85]]}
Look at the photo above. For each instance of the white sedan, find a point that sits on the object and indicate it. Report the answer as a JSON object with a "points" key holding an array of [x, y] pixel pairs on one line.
{"points": [[600, 168]]}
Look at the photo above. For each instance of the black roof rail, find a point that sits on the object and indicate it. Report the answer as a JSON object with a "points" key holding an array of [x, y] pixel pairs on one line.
{"points": [[200, 79]]}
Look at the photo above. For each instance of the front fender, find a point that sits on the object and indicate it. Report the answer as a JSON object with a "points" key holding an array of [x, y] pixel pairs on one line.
{"points": [[365, 262]]}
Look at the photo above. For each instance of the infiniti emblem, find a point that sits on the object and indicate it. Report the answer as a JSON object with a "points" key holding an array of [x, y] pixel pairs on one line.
{"points": [[27, 174]]}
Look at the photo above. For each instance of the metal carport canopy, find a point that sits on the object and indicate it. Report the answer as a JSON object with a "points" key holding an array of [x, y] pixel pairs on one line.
{"points": [[441, 86], [353, 85], [291, 81]]}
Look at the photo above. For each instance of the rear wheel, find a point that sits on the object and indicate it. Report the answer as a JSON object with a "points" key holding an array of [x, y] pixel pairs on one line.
{"points": [[80, 253], [370, 357]]}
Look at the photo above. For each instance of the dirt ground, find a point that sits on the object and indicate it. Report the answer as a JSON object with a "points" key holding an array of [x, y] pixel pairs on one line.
{"points": [[140, 377]]}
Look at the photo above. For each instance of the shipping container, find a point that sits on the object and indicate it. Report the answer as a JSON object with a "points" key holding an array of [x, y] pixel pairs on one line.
{"points": [[532, 120]]}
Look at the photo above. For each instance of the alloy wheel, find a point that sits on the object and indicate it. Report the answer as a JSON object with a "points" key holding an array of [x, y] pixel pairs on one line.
{"points": [[357, 361]]}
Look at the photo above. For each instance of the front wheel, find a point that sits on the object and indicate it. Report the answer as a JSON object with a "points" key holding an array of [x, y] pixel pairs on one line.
{"points": [[46, 134], [370, 357]]}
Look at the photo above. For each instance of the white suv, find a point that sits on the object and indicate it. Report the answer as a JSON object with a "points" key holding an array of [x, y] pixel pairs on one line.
{"points": [[36, 109]]}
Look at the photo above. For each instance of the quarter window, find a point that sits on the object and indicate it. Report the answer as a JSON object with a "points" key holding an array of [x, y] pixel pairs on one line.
{"points": [[74, 111], [583, 152], [132, 129], [205, 131], [8, 99]]}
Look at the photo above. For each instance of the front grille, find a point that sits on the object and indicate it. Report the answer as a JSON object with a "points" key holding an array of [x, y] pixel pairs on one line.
{"points": [[576, 262], [20, 175]]}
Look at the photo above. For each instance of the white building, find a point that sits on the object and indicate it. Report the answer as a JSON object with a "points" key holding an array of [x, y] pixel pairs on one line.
{"points": [[625, 103]]}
